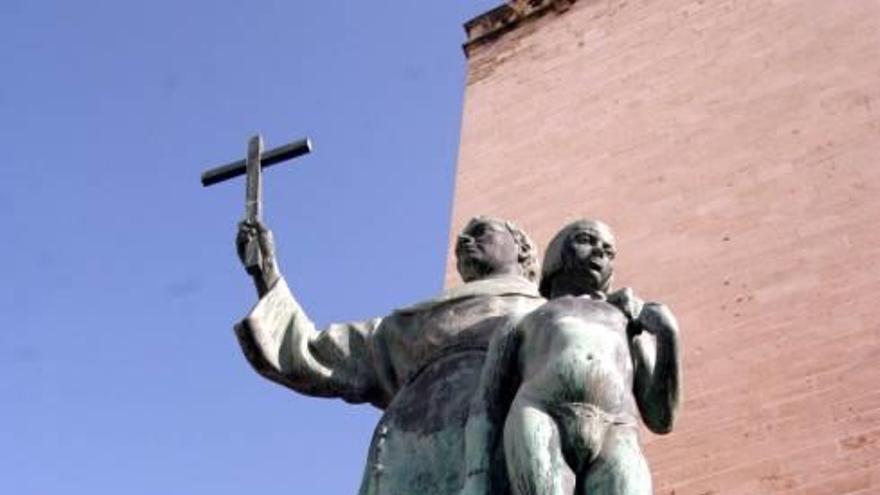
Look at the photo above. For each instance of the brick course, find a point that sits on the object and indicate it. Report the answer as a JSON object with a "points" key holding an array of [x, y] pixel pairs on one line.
{"points": [[734, 147]]}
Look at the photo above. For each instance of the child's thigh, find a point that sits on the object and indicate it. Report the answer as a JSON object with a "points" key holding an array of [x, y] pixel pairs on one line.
{"points": [[533, 453], [621, 468]]}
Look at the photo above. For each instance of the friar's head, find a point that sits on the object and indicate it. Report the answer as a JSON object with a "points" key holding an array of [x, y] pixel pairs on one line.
{"points": [[579, 260], [489, 247]]}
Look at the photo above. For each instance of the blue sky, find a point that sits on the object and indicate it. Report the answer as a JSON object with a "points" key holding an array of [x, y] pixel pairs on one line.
{"points": [[118, 368]]}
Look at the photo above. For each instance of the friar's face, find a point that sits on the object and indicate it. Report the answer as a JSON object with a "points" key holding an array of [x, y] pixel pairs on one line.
{"points": [[486, 247], [589, 254]]}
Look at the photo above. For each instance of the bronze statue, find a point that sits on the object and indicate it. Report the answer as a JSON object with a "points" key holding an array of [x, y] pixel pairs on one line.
{"points": [[562, 390], [419, 364]]}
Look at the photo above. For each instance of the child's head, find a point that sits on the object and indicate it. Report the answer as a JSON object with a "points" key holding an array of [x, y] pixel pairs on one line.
{"points": [[582, 254]]}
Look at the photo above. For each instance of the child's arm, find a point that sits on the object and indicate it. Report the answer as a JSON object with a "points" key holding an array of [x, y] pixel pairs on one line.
{"points": [[499, 382], [657, 367]]}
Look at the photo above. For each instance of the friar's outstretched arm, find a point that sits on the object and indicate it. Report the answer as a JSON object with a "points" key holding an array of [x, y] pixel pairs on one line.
{"points": [[499, 382], [657, 362], [282, 344]]}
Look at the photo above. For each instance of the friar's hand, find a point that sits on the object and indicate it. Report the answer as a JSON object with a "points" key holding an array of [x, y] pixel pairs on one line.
{"points": [[657, 319], [254, 235]]}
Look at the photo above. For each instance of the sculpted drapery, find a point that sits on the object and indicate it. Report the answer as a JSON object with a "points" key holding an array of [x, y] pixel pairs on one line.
{"points": [[419, 364]]}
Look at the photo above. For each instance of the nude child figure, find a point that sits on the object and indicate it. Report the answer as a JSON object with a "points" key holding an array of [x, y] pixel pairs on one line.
{"points": [[561, 392]]}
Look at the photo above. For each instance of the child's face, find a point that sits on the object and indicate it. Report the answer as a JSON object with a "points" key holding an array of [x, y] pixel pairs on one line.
{"points": [[589, 252]]}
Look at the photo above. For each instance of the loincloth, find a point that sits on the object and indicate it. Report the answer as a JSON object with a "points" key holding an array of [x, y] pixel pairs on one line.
{"points": [[583, 429]]}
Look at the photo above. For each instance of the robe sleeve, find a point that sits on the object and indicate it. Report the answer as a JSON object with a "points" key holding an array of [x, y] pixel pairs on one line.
{"points": [[282, 344]]}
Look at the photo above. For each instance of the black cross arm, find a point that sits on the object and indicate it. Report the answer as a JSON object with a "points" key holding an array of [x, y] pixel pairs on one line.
{"points": [[269, 158]]}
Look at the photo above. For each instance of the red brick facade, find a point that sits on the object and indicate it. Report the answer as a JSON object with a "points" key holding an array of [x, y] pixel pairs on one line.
{"points": [[734, 147]]}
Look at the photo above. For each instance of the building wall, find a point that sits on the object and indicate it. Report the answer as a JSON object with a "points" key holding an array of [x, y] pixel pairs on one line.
{"points": [[734, 146]]}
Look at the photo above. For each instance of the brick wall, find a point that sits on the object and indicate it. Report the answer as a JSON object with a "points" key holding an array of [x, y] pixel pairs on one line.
{"points": [[734, 146]]}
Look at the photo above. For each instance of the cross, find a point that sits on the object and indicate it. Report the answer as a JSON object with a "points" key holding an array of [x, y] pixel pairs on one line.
{"points": [[252, 166]]}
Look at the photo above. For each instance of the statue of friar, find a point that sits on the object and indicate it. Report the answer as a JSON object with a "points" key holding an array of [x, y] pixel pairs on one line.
{"points": [[563, 389], [420, 364]]}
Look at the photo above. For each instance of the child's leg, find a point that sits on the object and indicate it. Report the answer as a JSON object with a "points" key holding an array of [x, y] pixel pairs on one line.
{"points": [[620, 468], [533, 453]]}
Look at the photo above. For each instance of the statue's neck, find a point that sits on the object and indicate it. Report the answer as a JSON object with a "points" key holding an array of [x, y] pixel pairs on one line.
{"points": [[567, 286], [498, 272]]}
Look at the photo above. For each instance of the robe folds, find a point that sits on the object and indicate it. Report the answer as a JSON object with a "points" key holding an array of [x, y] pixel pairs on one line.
{"points": [[420, 365]]}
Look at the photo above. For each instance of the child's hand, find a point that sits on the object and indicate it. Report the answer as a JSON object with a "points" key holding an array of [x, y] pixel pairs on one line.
{"points": [[626, 300], [657, 319]]}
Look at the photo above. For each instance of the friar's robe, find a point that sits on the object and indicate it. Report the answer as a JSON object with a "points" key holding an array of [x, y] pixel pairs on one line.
{"points": [[420, 364]]}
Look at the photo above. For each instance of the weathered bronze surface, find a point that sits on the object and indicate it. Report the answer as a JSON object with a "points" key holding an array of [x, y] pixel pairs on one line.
{"points": [[488, 388], [420, 364], [562, 390]]}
